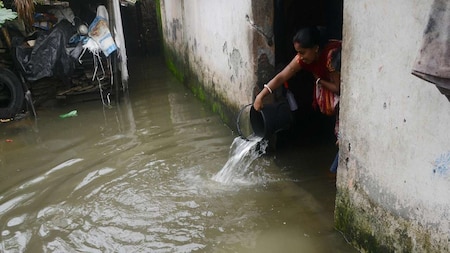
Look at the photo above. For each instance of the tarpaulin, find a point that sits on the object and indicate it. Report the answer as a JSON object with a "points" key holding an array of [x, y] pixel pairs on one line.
{"points": [[433, 60], [48, 57]]}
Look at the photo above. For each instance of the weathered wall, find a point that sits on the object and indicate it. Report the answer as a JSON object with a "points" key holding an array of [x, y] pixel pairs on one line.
{"points": [[209, 46], [393, 179]]}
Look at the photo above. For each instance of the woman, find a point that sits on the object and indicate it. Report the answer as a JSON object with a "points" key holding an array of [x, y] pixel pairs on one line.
{"points": [[323, 61]]}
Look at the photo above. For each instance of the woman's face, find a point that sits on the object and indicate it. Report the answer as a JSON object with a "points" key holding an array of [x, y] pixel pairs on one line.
{"points": [[307, 55]]}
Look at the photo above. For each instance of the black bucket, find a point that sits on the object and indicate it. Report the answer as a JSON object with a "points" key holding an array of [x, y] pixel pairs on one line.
{"points": [[271, 119]]}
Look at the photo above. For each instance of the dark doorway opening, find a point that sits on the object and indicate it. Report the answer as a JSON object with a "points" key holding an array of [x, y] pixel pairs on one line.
{"points": [[290, 16], [140, 27]]}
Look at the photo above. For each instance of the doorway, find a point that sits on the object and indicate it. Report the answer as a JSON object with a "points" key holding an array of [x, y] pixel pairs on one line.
{"points": [[289, 17]]}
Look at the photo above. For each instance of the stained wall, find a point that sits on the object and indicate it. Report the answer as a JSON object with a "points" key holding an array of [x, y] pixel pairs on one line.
{"points": [[393, 178], [210, 46]]}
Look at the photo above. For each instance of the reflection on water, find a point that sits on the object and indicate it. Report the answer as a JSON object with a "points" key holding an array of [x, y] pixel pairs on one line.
{"points": [[138, 177]]}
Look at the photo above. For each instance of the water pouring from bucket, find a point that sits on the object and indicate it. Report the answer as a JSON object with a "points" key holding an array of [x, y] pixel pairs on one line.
{"points": [[246, 149], [239, 169]]}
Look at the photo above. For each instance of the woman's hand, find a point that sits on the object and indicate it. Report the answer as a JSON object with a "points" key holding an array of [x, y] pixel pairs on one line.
{"points": [[258, 104]]}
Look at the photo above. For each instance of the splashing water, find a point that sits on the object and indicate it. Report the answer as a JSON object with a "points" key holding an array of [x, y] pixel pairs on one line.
{"points": [[242, 154]]}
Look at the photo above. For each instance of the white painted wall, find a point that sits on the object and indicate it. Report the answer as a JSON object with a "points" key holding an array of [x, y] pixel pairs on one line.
{"points": [[395, 127], [215, 38]]}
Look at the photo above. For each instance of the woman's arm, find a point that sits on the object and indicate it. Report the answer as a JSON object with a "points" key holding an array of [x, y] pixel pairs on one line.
{"points": [[276, 82]]}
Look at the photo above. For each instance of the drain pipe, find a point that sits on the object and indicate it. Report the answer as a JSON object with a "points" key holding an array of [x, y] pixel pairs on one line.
{"points": [[117, 32]]}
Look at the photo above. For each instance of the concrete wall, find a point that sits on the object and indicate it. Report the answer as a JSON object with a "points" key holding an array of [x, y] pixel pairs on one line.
{"points": [[394, 172], [209, 46]]}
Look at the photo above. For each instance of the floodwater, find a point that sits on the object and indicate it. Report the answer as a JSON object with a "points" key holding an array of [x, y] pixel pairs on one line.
{"points": [[142, 176]]}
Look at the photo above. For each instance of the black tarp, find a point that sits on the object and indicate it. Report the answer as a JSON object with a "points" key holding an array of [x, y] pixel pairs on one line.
{"points": [[49, 56]]}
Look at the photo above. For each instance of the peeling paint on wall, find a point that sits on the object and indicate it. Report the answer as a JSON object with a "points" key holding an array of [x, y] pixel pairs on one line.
{"points": [[442, 165], [394, 183], [176, 26], [235, 61], [225, 48], [210, 53]]}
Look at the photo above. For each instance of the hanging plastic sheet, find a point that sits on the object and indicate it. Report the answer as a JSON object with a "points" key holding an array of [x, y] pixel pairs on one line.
{"points": [[433, 61], [48, 57], [99, 31]]}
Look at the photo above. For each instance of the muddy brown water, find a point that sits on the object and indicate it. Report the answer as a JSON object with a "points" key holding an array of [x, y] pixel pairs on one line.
{"points": [[137, 177]]}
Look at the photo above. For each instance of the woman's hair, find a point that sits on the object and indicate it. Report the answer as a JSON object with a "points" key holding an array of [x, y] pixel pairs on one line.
{"points": [[308, 37]]}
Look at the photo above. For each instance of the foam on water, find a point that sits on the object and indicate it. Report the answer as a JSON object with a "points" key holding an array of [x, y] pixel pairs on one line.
{"points": [[242, 153]]}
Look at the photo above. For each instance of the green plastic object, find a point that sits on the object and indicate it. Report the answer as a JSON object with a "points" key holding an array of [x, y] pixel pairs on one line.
{"points": [[6, 14], [69, 114]]}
